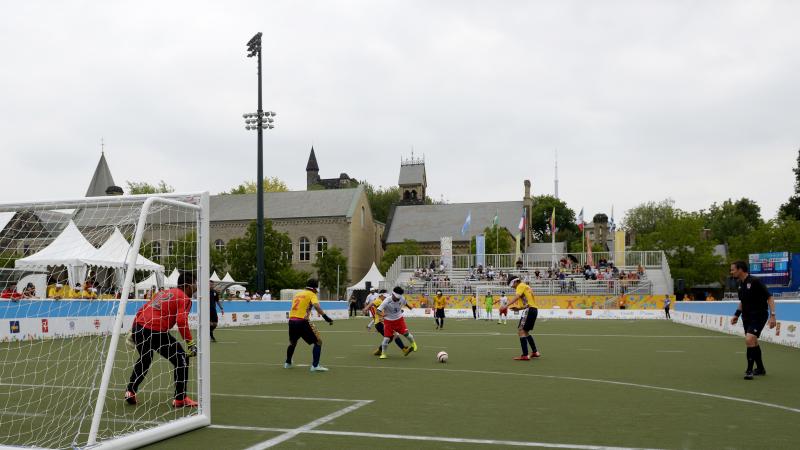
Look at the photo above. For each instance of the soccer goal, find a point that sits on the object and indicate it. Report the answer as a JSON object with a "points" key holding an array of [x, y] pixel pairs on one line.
{"points": [[73, 274]]}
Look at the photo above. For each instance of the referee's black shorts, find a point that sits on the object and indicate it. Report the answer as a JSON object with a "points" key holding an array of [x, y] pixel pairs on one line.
{"points": [[754, 323], [213, 318], [439, 313], [528, 320], [303, 329]]}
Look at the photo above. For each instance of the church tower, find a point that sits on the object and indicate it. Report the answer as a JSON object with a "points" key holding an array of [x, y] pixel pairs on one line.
{"points": [[102, 181], [413, 181], [312, 170]]}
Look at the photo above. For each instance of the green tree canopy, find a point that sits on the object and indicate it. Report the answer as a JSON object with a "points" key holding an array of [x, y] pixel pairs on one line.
{"points": [[689, 254], [331, 267], [732, 219], [241, 258], [381, 200], [143, 187], [778, 235], [273, 184], [566, 229], [645, 218], [407, 247], [791, 209]]}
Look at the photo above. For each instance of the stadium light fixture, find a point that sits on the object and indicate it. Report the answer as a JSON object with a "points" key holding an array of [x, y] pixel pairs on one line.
{"points": [[259, 121]]}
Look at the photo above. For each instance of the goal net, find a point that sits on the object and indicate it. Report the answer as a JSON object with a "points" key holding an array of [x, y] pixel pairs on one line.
{"points": [[73, 275]]}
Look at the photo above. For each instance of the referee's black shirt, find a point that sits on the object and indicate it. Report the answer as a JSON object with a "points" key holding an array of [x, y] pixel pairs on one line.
{"points": [[753, 294]]}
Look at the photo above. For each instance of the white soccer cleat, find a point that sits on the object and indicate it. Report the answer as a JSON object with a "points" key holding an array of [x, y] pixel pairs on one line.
{"points": [[287, 365], [318, 369]]}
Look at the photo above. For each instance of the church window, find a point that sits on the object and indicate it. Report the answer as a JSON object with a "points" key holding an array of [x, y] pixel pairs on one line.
{"points": [[170, 248], [305, 249], [322, 246]]}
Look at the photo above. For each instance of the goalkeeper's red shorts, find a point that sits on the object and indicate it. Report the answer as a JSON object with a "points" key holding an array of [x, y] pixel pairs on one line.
{"points": [[392, 326]]}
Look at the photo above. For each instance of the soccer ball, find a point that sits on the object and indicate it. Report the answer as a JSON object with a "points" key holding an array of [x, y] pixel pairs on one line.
{"points": [[441, 357]]}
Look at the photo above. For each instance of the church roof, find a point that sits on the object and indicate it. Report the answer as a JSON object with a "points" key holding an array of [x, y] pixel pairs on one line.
{"points": [[412, 174], [430, 223], [287, 205], [101, 179], [312, 162]]}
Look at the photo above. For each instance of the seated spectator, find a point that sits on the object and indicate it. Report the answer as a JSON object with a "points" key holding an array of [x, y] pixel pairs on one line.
{"points": [[519, 264], [640, 270], [267, 296], [432, 265], [11, 293], [75, 293], [57, 291]]}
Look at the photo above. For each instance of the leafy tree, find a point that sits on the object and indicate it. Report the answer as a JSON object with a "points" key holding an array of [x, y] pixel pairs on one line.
{"points": [[381, 200], [332, 267], [407, 247], [498, 241], [791, 209], [645, 218], [577, 246], [690, 256], [7, 259], [566, 229], [273, 184], [732, 219], [779, 235], [143, 187], [241, 258]]}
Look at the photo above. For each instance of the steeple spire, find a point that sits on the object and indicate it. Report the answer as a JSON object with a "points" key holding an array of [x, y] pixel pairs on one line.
{"points": [[102, 179], [312, 162]]}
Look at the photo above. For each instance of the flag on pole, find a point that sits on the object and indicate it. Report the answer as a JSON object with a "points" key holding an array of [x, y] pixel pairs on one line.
{"points": [[580, 220], [521, 226], [496, 219], [465, 227], [553, 222]]}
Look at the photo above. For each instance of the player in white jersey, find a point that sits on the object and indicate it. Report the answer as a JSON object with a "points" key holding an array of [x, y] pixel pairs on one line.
{"points": [[373, 294], [503, 302], [393, 321]]}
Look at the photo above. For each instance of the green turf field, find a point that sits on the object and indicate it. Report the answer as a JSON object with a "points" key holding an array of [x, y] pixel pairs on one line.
{"points": [[633, 384], [640, 384]]}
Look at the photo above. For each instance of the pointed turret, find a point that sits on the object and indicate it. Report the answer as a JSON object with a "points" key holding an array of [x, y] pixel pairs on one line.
{"points": [[312, 170], [101, 180]]}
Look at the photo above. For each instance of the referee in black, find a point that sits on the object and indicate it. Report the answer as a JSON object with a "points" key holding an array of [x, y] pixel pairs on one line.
{"points": [[757, 308], [213, 320]]}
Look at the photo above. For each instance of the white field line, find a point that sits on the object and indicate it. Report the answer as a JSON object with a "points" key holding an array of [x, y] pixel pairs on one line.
{"points": [[555, 377], [428, 438], [670, 351], [308, 427]]}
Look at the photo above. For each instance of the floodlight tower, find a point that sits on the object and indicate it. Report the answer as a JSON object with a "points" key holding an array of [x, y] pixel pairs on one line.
{"points": [[259, 121]]}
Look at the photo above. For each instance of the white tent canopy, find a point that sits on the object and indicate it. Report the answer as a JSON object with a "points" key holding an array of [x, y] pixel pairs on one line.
{"points": [[5, 217], [228, 278], [114, 253], [373, 276], [214, 277], [148, 283], [69, 249], [172, 279]]}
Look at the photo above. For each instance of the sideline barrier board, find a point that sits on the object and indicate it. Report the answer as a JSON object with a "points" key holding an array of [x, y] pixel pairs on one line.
{"points": [[716, 316], [40, 319], [626, 314]]}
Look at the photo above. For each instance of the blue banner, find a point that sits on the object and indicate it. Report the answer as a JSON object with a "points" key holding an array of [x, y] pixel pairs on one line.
{"points": [[480, 250]]}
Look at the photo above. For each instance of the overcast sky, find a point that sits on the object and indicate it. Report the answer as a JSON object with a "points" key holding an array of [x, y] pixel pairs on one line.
{"points": [[643, 100]]}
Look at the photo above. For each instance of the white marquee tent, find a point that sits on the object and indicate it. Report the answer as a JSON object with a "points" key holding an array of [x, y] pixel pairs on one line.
{"points": [[69, 249], [373, 276]]}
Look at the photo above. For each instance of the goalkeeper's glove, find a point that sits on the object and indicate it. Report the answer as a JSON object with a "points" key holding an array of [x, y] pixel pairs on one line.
{"points": [[327, 319], [191, 348]]}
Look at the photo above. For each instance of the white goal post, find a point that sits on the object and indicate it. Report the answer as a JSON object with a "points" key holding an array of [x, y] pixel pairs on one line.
{"points": [[73, 274]]}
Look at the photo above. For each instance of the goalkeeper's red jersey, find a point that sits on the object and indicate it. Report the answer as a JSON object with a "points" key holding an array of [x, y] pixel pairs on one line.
{"points": [[165, 310]]}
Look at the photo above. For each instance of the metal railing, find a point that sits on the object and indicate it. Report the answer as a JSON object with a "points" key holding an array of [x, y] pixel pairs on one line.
{"points": [[648, 260], [569, 286]]}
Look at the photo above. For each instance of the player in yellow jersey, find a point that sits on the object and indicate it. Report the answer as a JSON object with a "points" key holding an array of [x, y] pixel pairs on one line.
{"points": [[378, 320], [523, 301], [301, 327], [439, 303]]}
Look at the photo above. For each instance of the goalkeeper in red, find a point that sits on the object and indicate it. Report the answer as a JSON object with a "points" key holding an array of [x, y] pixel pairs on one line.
{"points": [[150, 333]]}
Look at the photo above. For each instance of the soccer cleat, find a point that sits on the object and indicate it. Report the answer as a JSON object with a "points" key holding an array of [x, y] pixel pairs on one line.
{"points": [[130, 397], [185, 403], [318, 369], [499, 322], [522, 358], [383, 356], [748, 375], [414, 346], [287, 365], [535, 355], [407, 350], [377, 352], [760, 372]]}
